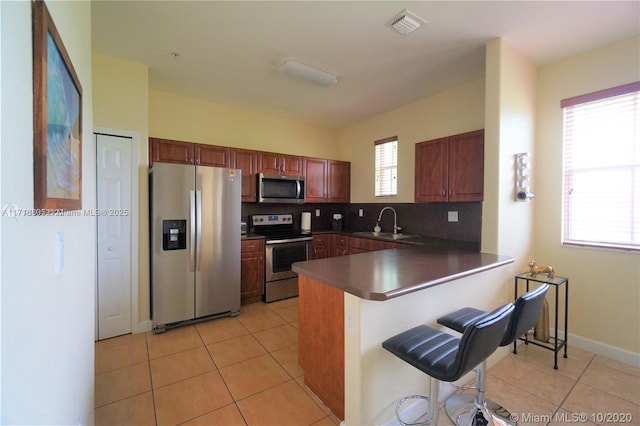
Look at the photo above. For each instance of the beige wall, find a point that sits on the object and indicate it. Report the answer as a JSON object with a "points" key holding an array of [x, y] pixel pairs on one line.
{"points": [[521, 105], [510, 118], [121, 102], [507, 113], [124, 102], [458, 110], [193, 120], [605, 285]]}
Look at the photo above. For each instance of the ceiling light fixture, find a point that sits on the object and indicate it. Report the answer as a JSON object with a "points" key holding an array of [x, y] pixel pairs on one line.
{"points": [[307, 73], [406, 22]]}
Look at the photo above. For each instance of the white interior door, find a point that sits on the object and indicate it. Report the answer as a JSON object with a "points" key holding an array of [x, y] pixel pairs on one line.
{"points": [[113, 160]]}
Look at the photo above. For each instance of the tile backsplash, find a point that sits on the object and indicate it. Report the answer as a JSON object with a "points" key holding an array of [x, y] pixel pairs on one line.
{"points": [[427, 219]]}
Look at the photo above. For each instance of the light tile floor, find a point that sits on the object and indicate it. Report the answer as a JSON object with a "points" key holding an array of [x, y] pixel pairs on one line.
{"points": [[244, 371]]}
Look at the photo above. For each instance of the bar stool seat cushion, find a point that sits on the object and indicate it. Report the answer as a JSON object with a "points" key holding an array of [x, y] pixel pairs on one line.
{"points": [[429, 350], [445, 357], [461, 319], [526, 313]]}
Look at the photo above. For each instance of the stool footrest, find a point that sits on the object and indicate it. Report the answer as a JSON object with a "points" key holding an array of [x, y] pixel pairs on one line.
{"points": [[422, 420]]}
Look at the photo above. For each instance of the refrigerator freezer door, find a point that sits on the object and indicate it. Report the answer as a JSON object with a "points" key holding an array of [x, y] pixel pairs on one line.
{"points": [[218, 266], [172, 273]]}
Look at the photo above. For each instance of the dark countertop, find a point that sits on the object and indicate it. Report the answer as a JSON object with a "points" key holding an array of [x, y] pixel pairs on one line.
{"points": [[383, 275], [416, 240]]}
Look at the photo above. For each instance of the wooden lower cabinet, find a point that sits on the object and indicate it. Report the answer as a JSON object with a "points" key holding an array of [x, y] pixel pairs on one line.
{"points": [[321, 246], [340, 245], [251, 271], [344, 245], [321, 341]]}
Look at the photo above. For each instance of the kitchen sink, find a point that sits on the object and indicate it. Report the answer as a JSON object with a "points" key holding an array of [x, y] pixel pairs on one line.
{"points": [[385, 235]]}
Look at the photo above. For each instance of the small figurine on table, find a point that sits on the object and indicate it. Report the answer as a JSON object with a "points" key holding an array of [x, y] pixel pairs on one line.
{"points": [[534, 269]]}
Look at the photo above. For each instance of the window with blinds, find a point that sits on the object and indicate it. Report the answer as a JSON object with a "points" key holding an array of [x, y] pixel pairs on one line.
{"points": [[601, 200], [386, 167]]}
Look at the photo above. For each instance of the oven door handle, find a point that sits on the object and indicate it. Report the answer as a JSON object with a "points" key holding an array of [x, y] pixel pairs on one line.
{"points": [[289, 240]]}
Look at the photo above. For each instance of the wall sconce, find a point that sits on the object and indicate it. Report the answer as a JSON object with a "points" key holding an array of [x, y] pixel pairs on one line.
{"points": [[523, 192]]}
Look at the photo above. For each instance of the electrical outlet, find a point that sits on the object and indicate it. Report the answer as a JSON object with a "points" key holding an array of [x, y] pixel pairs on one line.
{"points": [[452, 216], [351, 322], [59, 251], [317, 212], [360, 212]]}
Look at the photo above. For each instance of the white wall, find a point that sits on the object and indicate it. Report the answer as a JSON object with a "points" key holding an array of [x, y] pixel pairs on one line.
{"points": [[47, 317]]}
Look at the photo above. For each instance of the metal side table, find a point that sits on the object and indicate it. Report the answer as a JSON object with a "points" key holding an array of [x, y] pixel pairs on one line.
{"points": [[557, 343]]}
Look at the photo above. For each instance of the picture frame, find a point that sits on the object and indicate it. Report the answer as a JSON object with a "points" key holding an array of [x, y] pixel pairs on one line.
{"points": [[57, 119]]}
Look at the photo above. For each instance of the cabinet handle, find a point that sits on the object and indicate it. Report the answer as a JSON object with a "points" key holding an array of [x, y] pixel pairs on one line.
{"points": [[450, 191], [444, 191]]}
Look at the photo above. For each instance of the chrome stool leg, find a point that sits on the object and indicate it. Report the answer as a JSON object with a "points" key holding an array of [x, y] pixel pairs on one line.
{"points": [[475, 410], [431, 416]]}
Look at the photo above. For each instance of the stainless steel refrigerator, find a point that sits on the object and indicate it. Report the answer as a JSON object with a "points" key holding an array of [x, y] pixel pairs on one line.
{"points": [[195, 243]]}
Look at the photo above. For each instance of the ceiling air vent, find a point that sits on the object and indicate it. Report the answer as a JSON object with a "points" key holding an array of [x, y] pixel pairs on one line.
{"points": [[406, 22]]}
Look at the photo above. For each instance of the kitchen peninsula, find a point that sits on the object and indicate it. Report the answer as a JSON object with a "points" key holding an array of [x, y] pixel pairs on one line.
{"points": [[349, 304]]}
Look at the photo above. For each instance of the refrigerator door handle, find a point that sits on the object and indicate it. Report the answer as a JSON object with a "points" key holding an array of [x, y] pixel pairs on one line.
{"points": [[199, 228], [192, 230]]}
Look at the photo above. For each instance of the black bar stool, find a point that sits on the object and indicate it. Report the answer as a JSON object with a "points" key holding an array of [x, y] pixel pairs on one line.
{"points": [[444, 357], [464, 409]]}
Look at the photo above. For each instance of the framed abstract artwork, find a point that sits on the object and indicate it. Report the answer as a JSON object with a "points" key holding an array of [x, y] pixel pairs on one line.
{"points": [[57, 119]]}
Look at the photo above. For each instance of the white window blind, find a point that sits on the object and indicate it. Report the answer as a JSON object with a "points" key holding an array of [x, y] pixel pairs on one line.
{"points": [[386, 167], [601, 197]]}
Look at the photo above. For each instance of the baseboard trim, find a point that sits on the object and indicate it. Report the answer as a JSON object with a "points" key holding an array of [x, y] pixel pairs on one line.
{"points": [[143, 326], [599, 348]]}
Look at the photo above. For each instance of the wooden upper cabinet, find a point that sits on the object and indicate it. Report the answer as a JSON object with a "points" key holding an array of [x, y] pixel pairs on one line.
{"points": [[247, 161], [327, 181], [169, 151], [315, 173], [466, 166], [214, 156], [279, 164], [432, 170], [339, 181], [450, 169]]}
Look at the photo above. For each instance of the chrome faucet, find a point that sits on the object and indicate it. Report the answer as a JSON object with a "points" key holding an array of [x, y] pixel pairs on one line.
{"points": [[396, 228]]}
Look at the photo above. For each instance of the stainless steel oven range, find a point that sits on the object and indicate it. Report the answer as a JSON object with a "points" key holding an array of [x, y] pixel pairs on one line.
{"points": [[284, 246]]}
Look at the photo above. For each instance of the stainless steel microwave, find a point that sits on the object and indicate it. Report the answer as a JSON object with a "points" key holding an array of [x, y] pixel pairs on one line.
{"points": [[280, 189]]}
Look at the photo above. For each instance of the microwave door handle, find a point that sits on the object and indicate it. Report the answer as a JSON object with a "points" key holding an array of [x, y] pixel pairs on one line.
{"points": [[192, 230], [299, 186]]}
